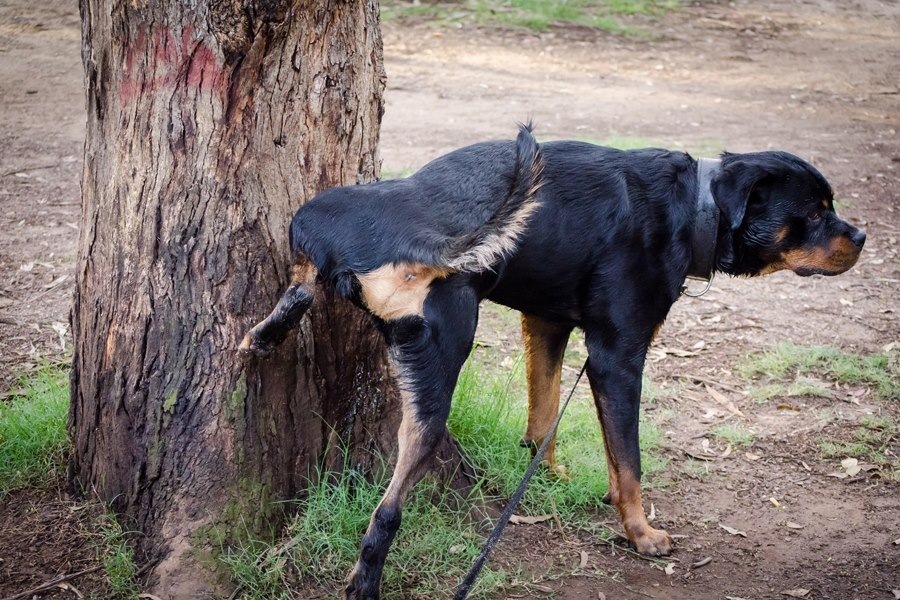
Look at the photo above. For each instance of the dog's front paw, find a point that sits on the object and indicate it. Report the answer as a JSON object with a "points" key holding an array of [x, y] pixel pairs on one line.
{"points": [[557, 470], [653, 542]]}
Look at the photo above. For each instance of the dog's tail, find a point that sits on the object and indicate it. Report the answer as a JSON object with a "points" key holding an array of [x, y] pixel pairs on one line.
{"points": [[496, 239]]}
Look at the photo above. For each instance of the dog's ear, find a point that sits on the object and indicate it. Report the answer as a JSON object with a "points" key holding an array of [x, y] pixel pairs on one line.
{"points": [[732, 186]]}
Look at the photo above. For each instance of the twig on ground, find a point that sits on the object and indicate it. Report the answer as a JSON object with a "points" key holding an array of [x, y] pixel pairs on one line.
{"points": [[51, 584]]}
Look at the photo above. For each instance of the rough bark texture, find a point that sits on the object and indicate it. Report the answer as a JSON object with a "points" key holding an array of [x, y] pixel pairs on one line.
{"points": [[208, 125]]}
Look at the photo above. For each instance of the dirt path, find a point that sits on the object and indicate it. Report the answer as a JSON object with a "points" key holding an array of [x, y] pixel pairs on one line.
{"points": [[817, 78]]}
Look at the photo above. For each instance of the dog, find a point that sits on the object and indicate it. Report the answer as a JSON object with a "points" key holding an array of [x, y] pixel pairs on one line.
{"points": [[571, 235]]}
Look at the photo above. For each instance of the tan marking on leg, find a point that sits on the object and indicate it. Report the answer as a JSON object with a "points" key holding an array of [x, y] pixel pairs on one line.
{"points": [[646, 539], [303, 271], [545, 345], [398, 290]]}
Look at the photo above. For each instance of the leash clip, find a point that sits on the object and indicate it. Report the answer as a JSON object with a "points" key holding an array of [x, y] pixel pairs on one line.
{"points": [[685, 292]]}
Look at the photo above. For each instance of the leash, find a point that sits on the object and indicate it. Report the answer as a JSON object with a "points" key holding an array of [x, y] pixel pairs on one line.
{"points": [[462, 592]]}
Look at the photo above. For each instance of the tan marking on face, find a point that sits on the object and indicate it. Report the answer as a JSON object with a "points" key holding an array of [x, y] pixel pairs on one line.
{"points": [[782, 233], [398, 290], [825, 203], [545, 344], [837, 257]]}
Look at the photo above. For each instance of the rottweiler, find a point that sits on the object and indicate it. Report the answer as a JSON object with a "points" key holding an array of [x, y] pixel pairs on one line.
{"points": [[571, 235]]}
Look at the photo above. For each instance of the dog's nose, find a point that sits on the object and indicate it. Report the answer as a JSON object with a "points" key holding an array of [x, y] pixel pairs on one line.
{"points": [[858, 238]]}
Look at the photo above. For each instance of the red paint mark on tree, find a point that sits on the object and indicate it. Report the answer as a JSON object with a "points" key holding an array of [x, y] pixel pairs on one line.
{"points": [[164, 61]]}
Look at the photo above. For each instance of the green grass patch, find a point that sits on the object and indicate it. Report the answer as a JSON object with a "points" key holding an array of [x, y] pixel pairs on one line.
{"points": [[33, 441], [438, 539], [875, 441], [734, 434], [488, 419], [881, 372], [117, 557], [432, 551], [537, 15]]}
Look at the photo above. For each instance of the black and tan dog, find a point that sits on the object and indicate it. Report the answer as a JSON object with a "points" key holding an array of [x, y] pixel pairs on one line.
{"points": [[570, 234]]}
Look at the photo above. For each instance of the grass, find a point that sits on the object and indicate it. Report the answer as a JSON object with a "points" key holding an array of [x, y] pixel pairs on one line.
{"points": [[438, 539], [881, 372], [33, 451], [537, 15], [33, 441], [875, 441], [117, 556], [488, 420], [734, 434], [431, 552]]}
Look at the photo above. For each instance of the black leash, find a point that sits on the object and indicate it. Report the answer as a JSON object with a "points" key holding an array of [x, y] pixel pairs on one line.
{"points": [[462, 592]]}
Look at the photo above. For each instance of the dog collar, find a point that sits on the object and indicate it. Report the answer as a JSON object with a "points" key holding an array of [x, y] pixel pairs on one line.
{"points": [[706, 227]]}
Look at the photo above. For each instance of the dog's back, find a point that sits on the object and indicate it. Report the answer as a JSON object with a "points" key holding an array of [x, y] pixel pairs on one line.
{"points": [[460, 212]]}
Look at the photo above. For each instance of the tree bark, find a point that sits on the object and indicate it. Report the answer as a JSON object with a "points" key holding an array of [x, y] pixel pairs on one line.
{"points": [[208, 125]]}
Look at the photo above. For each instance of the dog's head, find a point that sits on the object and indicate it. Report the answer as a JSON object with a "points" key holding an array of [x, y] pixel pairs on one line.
{"points": [[780, 211]]}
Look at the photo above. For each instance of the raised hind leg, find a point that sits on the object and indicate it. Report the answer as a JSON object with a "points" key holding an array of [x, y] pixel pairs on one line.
{"points": [[266, 335], [427, 353]]}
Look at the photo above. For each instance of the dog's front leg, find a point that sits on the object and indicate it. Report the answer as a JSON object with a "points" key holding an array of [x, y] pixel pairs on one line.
{"points": [[615, 375]]}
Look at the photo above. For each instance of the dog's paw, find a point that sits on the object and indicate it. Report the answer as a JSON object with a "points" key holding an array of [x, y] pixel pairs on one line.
{"points": [[355, 591], [252, 345], [556, 470], [653, 542]]}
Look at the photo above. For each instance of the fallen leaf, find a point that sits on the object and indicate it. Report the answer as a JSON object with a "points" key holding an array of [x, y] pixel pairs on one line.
{"points": [[798, 593], [457, 548], [793, 525], [851, 465], [702, 563], [670, 569], [725, 454], [805, 466], [751, 457], [896, 594], [732, 530], [584, 559], [897, 542], [27, 267], [601, 596], [775, 502], [148, 597], [652, 514], [786, 406], [846, 302], [838, 475], [724, 401], [520, 520]]}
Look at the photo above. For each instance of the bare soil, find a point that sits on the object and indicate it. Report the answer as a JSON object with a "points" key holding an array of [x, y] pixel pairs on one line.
{"points": [[818, 78]]}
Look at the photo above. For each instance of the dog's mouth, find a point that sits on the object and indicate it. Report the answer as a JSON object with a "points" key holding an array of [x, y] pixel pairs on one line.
{"points": [[835, 258]]}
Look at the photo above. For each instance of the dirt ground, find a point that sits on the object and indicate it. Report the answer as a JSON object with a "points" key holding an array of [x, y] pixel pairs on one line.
{"points": [[818, 78]]}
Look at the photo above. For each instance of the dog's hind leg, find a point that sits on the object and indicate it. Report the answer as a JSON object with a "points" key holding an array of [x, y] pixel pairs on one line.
{"points": [[545, 345], [266, 335], [427, 353]]}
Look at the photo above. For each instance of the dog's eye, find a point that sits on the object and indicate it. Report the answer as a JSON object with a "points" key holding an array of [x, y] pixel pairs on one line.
{"points": [[815, 215]]}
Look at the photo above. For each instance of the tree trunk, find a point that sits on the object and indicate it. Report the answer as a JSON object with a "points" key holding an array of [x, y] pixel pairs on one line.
{"points": [[208, 125]]}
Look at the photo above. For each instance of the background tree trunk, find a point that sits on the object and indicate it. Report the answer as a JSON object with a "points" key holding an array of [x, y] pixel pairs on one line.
{"points": [[208, 125]]}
